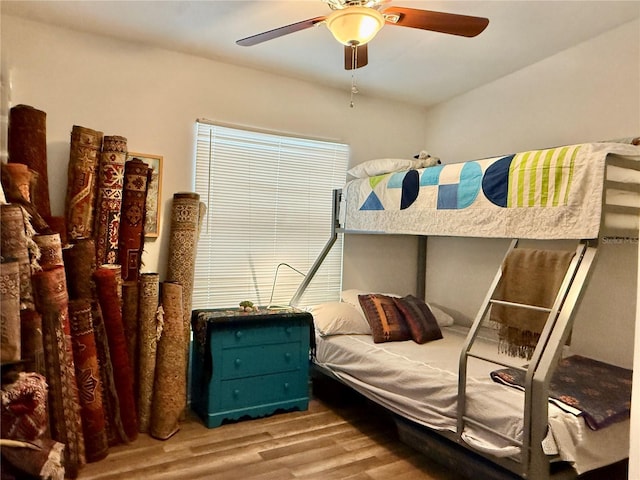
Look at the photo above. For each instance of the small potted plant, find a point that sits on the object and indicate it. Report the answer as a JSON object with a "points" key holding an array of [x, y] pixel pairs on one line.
{"points": [[247, 306]]}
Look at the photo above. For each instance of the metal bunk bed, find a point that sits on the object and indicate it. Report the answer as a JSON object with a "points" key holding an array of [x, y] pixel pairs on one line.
{"points": [[533, 462]]}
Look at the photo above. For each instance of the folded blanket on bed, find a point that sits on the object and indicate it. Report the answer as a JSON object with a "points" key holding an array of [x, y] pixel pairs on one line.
{"points": [[532, 277], [600, 392]]}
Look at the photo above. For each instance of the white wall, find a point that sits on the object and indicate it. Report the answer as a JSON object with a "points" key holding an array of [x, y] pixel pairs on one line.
{"points": [[587, 93], [153, 98]]}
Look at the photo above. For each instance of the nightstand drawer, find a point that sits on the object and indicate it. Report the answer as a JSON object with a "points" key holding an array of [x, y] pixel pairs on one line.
{"points": [[260, 359], [266, 389], [258, 334]]}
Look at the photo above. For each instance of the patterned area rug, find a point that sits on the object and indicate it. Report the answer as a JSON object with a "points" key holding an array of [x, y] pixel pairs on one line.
{"points": [[130, 324], [169, 395], [50, 247], [137, 175], [88, 378], [27, 144], [186, 214], [51, 298], [14, 246], [31, 341], [81, 181], [600, 392], [24, 419], [111, 306], [147, 344], [10, 349], [110, 402], [80, 263], [24, 407], [109, 198]]}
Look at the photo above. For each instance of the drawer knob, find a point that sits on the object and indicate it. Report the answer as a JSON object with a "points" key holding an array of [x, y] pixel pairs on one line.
{"points": [[238, 335], [287, 357], [238, 362], [288, 330], [286, 386], [236, 393]]}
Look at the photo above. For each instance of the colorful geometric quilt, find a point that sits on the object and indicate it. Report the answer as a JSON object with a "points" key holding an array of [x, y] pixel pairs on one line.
{"points": [[552, 193]]}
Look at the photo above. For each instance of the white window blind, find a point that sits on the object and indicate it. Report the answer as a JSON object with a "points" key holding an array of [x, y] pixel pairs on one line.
{"points": [[269, 201]]}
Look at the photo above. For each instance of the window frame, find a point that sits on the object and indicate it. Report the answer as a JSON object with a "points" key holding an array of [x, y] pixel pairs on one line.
{"points": [[274, 280]]}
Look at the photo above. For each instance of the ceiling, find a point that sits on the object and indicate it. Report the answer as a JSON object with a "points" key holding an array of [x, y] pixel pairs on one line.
{"points": [[405, 64]]}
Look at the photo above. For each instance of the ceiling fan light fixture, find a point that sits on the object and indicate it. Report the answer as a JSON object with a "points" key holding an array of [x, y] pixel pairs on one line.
{"points": [[355, 25]]}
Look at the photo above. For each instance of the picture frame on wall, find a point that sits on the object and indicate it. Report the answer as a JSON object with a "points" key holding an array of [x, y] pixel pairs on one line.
{"points": [[152, 219]]}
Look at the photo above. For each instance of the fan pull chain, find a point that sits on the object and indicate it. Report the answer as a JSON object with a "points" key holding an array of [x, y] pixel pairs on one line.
{"points": [[354, 64]]}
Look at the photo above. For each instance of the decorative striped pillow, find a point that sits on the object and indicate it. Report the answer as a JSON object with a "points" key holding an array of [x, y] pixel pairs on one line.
{"points": [[386, 321], [418, 316]]}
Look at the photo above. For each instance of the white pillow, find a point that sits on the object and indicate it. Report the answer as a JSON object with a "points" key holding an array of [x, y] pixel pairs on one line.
{"points": [[443, 318], [351, 297], [339, 318], [380, 167]]}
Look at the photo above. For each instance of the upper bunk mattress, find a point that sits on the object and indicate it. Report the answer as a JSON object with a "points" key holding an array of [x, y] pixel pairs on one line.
{"points": [[542, 194]]}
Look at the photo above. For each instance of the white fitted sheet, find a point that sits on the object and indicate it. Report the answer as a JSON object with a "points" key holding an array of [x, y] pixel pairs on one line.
{"points": [[419, 382]]}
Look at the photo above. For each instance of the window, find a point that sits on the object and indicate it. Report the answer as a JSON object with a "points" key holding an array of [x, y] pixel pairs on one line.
{"points": [[269, 201]]}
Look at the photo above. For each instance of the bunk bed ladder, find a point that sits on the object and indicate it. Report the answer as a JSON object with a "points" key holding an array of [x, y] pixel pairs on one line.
{"points": [[549, 351], [533, 462]]}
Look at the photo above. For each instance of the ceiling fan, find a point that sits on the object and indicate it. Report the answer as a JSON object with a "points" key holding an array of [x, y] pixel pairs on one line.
{"points": [[355, 22]]}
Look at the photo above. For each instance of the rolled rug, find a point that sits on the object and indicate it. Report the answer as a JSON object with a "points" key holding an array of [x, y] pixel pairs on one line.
{"points": [[21, 461], [137, 175], [130, 324], [10, 350], [50, 246], [14, 245], [88, 378], [109, 198], [22, 177], [31, 341], [110, 304], [24, 424], [24, 407], [80, 263], [147, 344], [84, 155], [117, 273], [50, 292], [111, 404], [185, 215], [58, 225], [27, 144], [12, 194], [169, 393]]}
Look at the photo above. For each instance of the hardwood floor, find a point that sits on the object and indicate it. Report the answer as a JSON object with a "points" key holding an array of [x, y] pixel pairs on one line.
{"points": [[333, 440], [329, 441]]}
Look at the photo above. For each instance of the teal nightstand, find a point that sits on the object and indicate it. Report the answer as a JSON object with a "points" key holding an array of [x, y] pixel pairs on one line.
{"points": [[249, 364]]}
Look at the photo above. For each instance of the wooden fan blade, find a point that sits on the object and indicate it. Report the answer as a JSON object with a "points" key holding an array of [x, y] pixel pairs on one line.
{"points": [[362, 57], [279, 32], [451, 23]]}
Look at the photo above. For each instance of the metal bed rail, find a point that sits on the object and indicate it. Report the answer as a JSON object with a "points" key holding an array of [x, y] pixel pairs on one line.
{"points": [[533, 462]]}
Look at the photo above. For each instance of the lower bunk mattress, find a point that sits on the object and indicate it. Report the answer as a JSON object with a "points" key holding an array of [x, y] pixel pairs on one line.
{"points": [[420, 383]]}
